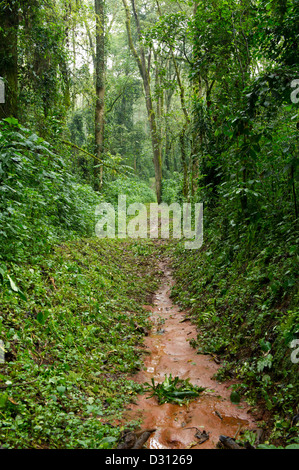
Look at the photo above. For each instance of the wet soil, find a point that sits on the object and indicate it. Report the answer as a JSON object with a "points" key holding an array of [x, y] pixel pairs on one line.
{"points": [[171, 353]]}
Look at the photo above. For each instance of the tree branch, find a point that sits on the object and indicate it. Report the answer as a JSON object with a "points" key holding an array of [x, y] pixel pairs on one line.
{"points": [[70, 144]]}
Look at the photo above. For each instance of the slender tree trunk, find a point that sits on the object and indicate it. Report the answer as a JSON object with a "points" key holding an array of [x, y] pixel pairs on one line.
{"points": [[294, 192], [168, 140], [244, 200], [91, 45], [186, 115], [160, 102], [184, 162], [194, 171], [100, 90], [64, 66], [144, 72], [197, 139], [167, 147], [187, 123], [9, 23]]}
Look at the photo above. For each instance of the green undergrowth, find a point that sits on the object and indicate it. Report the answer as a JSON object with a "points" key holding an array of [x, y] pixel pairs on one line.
{"points": [[72, 328], [133, 189], [41, 201], [244, 300], [173, 390]]}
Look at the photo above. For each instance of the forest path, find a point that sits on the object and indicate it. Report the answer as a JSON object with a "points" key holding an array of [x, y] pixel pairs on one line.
{"points": [[171, 353]]}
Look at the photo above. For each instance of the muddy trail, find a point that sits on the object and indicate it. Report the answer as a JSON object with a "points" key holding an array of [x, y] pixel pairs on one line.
{"points": [[199, 424]]}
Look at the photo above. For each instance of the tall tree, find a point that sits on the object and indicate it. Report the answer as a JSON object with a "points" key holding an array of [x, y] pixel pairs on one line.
{"points": [[100, 89], [9, 21], [143, 66]]}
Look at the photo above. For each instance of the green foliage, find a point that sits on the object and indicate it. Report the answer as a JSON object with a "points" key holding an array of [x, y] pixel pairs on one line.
{"points": [[243, 298], [71, 344], [241, 286], [172, 189], [235, 397], [5, 279], [43, 66], [174, 390], [41, 202], [231, 64], [134, 190], [274, 34], [273, 447]]}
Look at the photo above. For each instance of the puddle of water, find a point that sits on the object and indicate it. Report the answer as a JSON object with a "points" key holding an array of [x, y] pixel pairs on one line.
{"points": [[171, 353]]}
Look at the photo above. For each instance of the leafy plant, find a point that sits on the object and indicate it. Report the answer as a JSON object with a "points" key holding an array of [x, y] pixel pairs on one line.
{"points": [[134, 190], [272, 446], [41, 203], [8, 281], [174, 390], [71, 343]]}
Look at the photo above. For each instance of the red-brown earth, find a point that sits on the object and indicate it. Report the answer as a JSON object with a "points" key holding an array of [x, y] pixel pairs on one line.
{"points": [[170, 353]]}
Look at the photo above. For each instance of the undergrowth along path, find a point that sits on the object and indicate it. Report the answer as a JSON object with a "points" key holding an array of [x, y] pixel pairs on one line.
{"points": [[71, 341], [200, 423]]}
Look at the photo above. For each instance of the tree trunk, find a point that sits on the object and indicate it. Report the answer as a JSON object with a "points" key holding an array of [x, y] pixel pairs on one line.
{"points": [[100, 90], [186, 115], [197, 138], [168, 140], [144, 72], [9, 21], [184, 163], [160, 103]]}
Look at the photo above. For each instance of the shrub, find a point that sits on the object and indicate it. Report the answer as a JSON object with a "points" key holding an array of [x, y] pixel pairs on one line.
{"points": [[40, 201], [135, 191]]}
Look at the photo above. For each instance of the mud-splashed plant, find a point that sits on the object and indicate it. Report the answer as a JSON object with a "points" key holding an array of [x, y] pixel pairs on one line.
{"points": [[174, 390]]}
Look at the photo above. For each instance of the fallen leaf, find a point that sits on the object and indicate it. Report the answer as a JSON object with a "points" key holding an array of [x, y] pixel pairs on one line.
{"points": [[192, 444]]}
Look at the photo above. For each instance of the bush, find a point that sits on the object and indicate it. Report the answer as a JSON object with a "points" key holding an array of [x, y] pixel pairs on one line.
{"points": [[134, 190], [40, 201], [172, 189]]}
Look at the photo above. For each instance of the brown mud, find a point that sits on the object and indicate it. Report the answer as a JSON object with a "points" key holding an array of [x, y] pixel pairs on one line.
{"points": [[180, 427]]}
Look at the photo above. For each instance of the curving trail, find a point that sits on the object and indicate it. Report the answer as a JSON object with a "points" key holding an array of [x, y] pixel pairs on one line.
{"points": [[170, 352]]}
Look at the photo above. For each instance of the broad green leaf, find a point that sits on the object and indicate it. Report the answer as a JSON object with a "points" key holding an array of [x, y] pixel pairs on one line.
{"points": [[12, 284], [235, 398]]}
